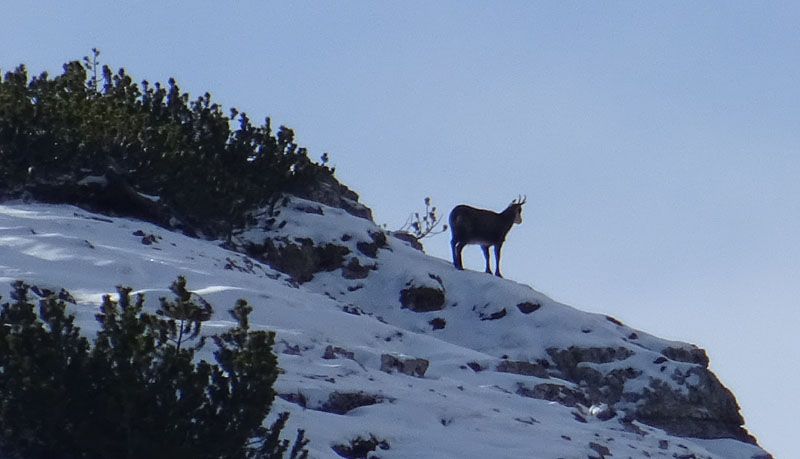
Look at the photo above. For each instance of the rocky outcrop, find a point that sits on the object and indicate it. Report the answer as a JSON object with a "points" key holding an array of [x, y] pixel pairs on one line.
{"points": [[302, 257], [524, 368], [408, 238], [693, 355], [422, 299], [299, 258], [422, 295], [344, 402], [337, 403], [633, 377], [355, 270], [567, 360], [692, 403], [527, 307], [558, 393], [370, 249], [407, 365], [705, 409], [688, 403], [327, 190], [360, 448], [334, 352]]}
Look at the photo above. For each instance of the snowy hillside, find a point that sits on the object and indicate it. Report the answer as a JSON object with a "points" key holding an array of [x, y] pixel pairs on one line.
{"points": [[387, 349]]}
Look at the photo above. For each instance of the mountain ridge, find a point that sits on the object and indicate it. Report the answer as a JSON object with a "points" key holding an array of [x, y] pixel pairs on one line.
{"points": [[508, 372]]}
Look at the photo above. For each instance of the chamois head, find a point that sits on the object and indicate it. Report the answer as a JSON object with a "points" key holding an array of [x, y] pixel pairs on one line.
{"points": [[483, 227], [516, 208]]}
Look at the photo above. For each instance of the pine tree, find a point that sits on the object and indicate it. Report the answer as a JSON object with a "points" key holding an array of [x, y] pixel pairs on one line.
{"points": [[138, 391], [156, 138]]}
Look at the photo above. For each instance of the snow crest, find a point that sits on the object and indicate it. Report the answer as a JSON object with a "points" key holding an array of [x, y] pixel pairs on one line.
{"points": [[508, 372]]}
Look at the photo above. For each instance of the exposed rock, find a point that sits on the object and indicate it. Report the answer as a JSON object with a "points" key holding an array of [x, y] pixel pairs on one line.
{"points": [[398, 335], [408, 238], [309, 209], [247, 265], [704, 410], [407, 365], [475, 366], [579, 417], [693, 355], [422, 299], [351, 309], [300, 259], [614, 321], [603, 412], [597, 386], [291, 349], [571, 357], [603, 451], [337, 403], [494, 316], [355, 270], [327, 190], [343, 402], [528, 307], [298, 398], [528, 420], [520, 367], [554, 393], [698, 407], [438, 323], [147, 239], [360, 448], [370, 249], [333, 352]]}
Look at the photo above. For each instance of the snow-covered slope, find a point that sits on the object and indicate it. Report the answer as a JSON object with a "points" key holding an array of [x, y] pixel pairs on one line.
{"points": [[489, 368]]}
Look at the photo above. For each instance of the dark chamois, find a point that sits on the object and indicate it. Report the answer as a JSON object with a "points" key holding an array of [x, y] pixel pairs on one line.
{"points": [[483, 227]]}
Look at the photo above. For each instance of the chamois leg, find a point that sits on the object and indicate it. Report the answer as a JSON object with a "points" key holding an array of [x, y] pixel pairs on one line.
{"points": [[486, 255], [497, 259], [457, 248]]}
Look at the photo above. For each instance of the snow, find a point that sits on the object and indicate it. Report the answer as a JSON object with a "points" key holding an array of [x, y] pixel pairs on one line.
{"points": [[453, 412]]}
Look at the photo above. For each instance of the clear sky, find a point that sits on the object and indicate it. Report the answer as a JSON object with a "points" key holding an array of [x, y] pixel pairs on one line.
{"points": [[658, 142]]}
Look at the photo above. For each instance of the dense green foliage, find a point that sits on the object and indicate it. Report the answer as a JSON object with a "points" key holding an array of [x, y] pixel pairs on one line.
{"points": [[137, 391], [89, 121]]}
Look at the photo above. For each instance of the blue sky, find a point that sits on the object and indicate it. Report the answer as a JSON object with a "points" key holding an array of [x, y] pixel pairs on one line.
{"points": [[658, 143]]}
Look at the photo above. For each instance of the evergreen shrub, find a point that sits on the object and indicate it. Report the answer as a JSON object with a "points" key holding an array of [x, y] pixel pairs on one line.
{"points": [[137, 391], [89, 124]]}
